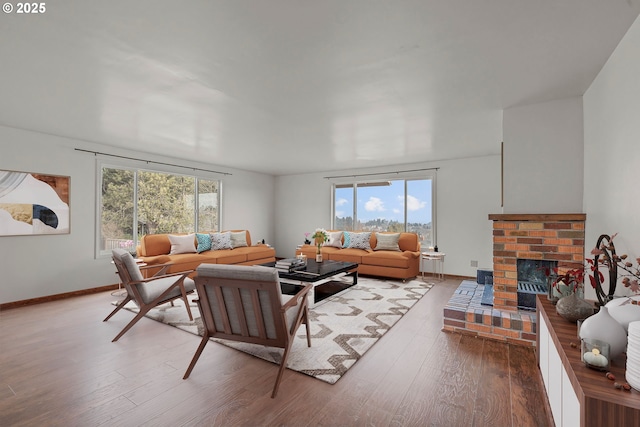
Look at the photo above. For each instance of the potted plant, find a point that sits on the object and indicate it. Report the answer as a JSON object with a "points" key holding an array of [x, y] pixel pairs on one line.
{"points": [[320, 236]]}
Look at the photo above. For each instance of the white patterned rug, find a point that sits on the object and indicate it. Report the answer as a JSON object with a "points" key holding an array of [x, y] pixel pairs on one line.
{"points": [[343, 327]]}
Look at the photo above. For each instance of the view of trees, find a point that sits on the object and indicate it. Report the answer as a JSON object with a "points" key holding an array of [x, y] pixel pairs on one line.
{"points": [[166, 203], [381, 224]]}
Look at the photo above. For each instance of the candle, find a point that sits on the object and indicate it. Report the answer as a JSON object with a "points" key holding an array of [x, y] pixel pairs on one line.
{"points": [[594, 358]]}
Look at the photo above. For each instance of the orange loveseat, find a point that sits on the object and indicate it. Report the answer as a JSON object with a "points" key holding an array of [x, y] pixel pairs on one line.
{"points": [[401, 264], [155, 249]]}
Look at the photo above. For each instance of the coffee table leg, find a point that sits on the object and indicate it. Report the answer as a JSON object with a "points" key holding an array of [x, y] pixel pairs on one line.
{"points": [[354, 274]]}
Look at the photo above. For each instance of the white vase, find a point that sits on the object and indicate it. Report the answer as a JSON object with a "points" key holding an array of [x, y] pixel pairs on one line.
{"points": [[624, 314], [602, 326]]}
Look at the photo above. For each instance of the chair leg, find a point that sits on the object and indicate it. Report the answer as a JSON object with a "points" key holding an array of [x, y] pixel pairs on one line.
{"points": [[283, 366], [139, 316], [306, 324], [118, 308], [186, 301], [196, 356]]}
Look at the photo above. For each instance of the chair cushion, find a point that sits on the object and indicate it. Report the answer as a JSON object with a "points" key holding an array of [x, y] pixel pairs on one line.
{"points": [[292, 312], [242, 272], [130, 263], [257, 272], [154, 288], [182, 244]]}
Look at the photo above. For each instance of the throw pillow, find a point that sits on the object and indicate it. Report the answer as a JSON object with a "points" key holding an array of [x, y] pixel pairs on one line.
{"points": [[360, 240], [182, 244], [347, 239], [204, 242], [335, 239], [238, 239], [387, 242], [220, 241]]}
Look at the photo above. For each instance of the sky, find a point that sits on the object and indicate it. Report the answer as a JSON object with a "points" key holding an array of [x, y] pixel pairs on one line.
{"points": [[388, 201]]}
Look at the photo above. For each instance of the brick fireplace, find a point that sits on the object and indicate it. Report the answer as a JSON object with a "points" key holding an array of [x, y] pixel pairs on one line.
{"points": [[550, 237], [545, 237]]}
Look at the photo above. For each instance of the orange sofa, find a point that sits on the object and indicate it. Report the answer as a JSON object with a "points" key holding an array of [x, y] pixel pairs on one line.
{"points": [[402, 264], [155, 249]]}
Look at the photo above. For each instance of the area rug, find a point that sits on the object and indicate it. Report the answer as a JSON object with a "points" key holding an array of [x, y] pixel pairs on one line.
{"points": [[343, 327]]}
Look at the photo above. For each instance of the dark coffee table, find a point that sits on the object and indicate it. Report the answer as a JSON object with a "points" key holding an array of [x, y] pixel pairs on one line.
{"points": [[321, 275]]}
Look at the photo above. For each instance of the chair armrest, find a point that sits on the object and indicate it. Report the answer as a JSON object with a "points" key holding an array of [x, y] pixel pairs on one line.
{"points": [[296, 298]]}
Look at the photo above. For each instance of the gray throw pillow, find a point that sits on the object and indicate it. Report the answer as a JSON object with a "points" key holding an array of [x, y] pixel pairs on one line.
{"points": [[238, 239], [387, 242], [220, 241], [360, 240]]}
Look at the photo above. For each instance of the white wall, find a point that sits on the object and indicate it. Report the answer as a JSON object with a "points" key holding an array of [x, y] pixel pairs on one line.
{"points": [[468, 190], [543, 157], [36, 266], [612, 150]]}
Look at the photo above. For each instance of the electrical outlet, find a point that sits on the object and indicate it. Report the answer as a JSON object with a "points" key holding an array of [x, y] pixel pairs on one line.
{"points": [[474, 263]]}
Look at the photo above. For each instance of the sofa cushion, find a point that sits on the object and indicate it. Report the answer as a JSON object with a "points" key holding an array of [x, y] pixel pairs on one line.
{"points": [[204, 242], [387, 242], [387, 259], [357, 240], [256, 252], [348, 255], [227, 256], [220, 241], [182, 244], [238, 239], [409, 242], [154, 244], [335, 239]]}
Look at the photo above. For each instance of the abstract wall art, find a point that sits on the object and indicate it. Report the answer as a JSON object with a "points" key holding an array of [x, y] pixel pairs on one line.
{"points": [[32, 203]]}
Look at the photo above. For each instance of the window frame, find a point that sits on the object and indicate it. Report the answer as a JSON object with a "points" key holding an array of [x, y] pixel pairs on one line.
{"points": [[367, 181], [135, 167]]}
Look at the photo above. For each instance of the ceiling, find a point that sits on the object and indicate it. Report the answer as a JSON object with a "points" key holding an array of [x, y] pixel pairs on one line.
{"points": [[292, 86]]}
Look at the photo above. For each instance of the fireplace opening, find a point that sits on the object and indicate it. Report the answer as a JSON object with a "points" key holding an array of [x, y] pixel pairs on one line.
{"points": [[533, 278]]}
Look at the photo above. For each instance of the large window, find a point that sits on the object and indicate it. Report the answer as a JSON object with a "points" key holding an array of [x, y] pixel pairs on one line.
{"points": [[395, 205], [137, 202]]}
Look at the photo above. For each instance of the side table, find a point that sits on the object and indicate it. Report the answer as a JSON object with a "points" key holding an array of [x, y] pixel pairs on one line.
{"points": [[437, 260]]}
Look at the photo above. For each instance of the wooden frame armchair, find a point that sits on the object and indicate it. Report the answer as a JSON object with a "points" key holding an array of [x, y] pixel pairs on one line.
{"points": [[245, 303], [150, 292]]}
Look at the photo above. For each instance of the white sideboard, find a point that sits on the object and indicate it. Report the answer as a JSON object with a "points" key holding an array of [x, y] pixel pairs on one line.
{"points": [[579, 396]]}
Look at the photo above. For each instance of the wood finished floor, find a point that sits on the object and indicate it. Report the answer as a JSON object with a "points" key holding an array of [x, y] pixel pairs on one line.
{"points": [[58, 367]]}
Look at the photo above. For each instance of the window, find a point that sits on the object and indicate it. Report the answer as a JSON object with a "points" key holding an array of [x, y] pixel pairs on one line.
{"points": [[137, 202], [395, 205]]}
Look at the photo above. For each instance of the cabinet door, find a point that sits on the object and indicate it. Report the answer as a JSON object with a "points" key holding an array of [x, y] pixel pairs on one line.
{"points": [[555, 383], [570, 403], [543, 332]]}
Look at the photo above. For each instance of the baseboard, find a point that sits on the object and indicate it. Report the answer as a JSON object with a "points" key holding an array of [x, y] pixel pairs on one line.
{"points": [[49, 298]]}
